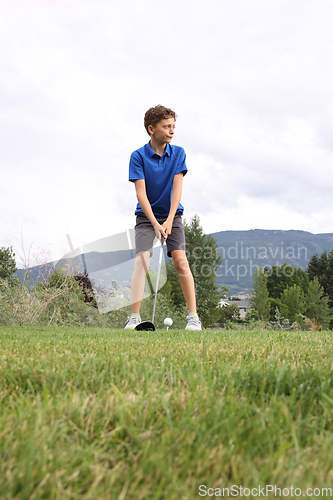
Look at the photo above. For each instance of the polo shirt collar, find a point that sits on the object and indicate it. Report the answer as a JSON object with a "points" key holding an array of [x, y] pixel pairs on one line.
{"points": [[151, 153], [167, 150]]}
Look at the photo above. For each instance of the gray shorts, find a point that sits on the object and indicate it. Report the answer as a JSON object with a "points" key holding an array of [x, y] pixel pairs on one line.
{"points": [[145, 234]]}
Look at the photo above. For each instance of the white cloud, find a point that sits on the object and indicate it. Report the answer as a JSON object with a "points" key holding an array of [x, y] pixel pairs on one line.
{"points": [[250, 81]]}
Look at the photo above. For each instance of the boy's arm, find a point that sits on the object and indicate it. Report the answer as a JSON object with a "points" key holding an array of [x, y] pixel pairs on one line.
{"points": [[175, 200], [140, 188]]}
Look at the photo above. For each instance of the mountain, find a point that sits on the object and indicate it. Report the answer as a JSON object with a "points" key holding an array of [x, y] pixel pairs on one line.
{"points": [[243, 251]]}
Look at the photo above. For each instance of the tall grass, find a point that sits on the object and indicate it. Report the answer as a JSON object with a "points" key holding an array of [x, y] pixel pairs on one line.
{"points": [[109, 414], [62, 304]]}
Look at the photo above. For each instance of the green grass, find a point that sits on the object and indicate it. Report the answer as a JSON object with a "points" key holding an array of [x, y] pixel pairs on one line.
{"points": [[96, 414]]}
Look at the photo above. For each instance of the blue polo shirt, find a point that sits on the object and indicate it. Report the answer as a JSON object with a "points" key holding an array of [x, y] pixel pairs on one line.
{"points": [[158, 173]]}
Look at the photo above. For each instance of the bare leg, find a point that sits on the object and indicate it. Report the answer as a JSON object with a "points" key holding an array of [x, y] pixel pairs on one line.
{"points": [[182, 267], [141, 267]]}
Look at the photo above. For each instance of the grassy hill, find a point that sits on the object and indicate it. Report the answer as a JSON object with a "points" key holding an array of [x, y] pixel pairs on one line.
{"points": [[244, 251]]}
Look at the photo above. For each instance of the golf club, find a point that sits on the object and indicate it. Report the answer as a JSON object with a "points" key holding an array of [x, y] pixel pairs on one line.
{"points": [[149, 325]]}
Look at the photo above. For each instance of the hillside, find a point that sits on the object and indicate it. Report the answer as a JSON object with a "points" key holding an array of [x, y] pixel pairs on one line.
{"points": [[244, 251]]}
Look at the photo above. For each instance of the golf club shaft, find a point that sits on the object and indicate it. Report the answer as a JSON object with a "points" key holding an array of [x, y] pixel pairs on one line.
{"points": [[158, 276]]}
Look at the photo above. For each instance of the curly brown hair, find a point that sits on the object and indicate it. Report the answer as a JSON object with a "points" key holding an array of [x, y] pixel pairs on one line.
{"points": [[155, 115]]}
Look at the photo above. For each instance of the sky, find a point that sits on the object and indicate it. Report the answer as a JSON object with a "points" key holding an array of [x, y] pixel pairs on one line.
{"points": [[251, 83]]}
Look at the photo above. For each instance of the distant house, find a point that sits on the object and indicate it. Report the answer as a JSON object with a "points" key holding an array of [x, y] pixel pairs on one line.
{"points": [[243, 305]]}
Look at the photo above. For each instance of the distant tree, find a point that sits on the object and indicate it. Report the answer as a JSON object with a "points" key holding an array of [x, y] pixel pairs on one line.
{"points": [[301, 279], [260, 297], [223, 291], [7, 264], [274, 304], [229, 313], [322, 271], [322, 268], [330, 279], [316, 304], [281, 277], [278, 279], [293, 303], [204, 260], [313, 267]]}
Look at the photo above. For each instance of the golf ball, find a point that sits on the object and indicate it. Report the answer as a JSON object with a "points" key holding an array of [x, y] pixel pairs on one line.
{"points": [[168, 321]]}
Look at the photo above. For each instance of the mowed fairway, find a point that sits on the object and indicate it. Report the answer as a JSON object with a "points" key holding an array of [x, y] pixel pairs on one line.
{"points": [[108, 414]]}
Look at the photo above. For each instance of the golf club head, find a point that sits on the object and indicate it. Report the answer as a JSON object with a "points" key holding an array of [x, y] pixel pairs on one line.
{"points": [[146, 325]]}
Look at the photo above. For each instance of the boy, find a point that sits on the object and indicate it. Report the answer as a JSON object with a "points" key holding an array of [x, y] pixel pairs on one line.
{"points": [[157, 170]]}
